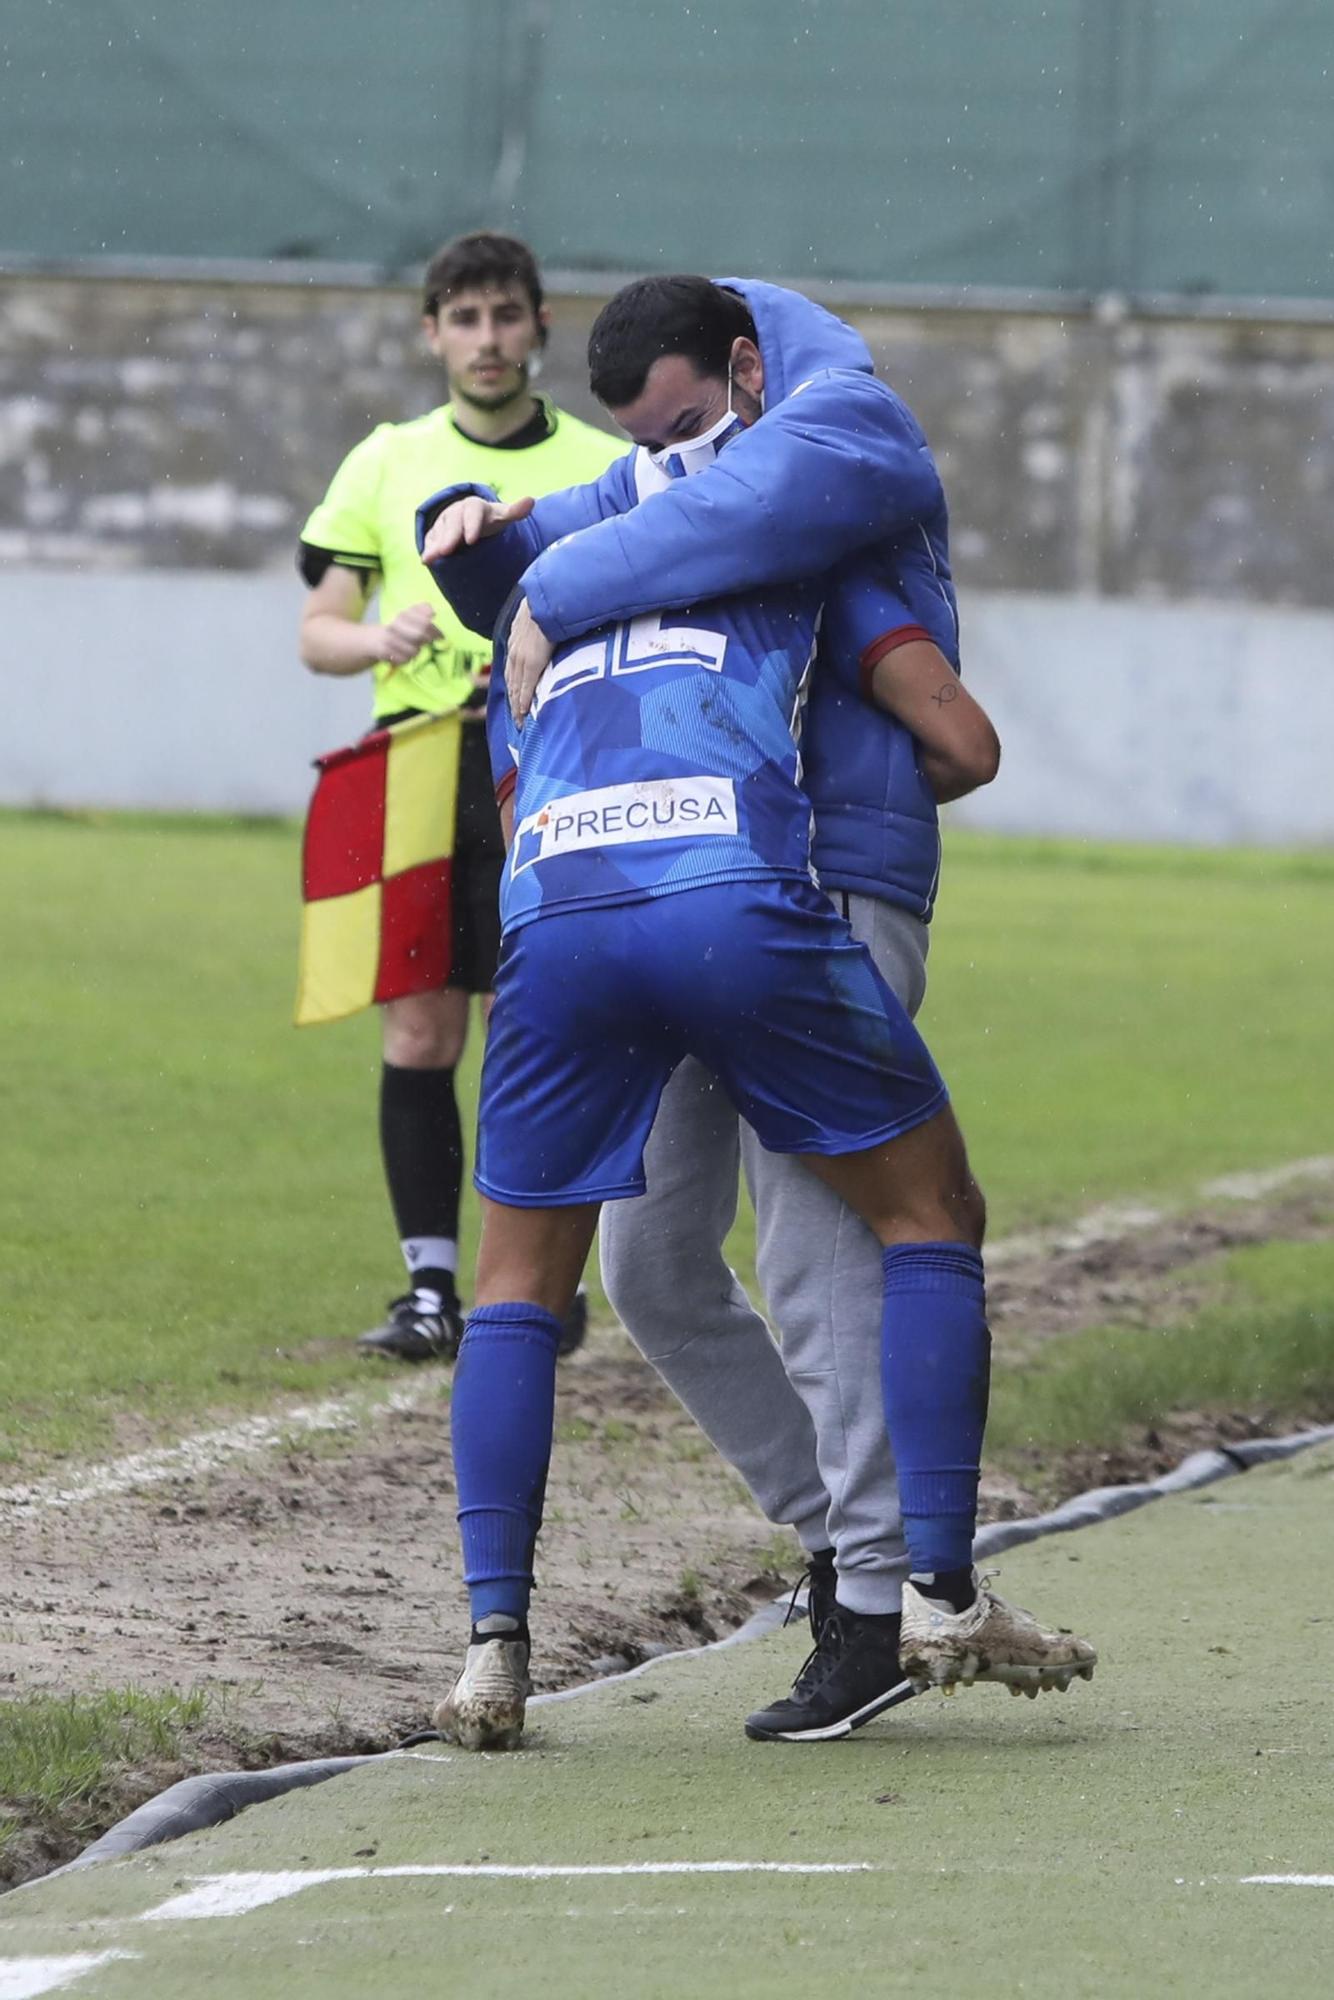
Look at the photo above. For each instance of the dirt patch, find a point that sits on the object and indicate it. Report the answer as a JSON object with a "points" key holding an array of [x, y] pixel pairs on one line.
{"points": [[316, 1592], [323, 1582], [1148, 1278], [1148, 1451]]}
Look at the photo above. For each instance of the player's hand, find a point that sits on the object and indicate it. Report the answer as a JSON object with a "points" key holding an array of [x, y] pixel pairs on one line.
{"points": [[464, 522], [403, 638], [526, 660]]}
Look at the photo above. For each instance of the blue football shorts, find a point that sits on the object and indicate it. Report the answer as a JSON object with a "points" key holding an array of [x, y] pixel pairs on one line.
{"points": [[761, 980]]}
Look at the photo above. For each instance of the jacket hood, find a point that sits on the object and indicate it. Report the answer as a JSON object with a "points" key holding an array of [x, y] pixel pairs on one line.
{"points": [[797, 338]]}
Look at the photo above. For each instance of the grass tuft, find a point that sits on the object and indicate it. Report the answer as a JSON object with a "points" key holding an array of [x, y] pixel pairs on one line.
{"points": [[1266, 1343], [63, 1758]]}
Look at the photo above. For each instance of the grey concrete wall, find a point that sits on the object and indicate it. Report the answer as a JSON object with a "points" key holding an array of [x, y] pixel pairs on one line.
{"points": [[185, 693], [1185, 723], [193, 425], [1137, 721]]}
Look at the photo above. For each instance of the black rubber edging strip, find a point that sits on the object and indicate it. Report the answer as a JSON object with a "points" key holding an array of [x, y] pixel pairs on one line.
{"points": [[214, 1797]]}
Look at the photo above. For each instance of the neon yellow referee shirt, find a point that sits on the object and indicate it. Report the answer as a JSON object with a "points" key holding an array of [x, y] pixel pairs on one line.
{"points": [[366, 521]]}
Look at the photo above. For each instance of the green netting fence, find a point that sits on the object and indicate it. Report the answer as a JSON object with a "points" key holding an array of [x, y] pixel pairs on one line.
{"points": [[1083, 146]]}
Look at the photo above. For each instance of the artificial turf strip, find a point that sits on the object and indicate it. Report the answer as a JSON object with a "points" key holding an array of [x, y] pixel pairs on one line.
{"points": [[1092, 1844], [196, 1219]]}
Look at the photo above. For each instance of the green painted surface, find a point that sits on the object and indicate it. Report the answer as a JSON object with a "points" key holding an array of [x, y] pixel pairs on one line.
{"points": [[1091, 1844], [1130, 146]]}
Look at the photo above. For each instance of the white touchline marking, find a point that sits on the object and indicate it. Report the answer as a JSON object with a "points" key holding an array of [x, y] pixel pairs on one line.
{"points": [[201, 1454], [235, 1895], [1250, 1187], [1116, 1221], [1109, 1224], [209, 1449], [25, 1978], [543, 1871], [1295, 1881]]}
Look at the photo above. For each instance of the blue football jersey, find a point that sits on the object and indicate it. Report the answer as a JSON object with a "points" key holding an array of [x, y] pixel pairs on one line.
{"points": [[661, 754]]}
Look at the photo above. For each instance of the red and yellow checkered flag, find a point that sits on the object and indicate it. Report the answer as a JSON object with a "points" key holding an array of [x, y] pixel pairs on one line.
{"points": [[376, 869]]}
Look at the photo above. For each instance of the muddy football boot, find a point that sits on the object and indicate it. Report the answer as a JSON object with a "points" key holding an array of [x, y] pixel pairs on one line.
{"points": [[484, 1709], [421, 1326], [990, 1641]]}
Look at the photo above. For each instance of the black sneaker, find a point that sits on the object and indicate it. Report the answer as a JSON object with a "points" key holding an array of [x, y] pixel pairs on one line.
{"points": [[421, 1326], [852, 1676], [574, 1327]]}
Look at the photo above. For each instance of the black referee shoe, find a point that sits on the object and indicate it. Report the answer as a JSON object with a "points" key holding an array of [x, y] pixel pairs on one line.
{"points": [[852, 1676], [421, 1326]]}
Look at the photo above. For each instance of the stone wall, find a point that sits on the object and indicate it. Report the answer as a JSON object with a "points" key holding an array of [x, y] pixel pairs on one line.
{"points": [[169, 425]]}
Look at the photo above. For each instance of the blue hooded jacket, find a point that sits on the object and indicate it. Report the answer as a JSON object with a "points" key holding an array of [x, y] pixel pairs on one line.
{"points": [[837, 466]]}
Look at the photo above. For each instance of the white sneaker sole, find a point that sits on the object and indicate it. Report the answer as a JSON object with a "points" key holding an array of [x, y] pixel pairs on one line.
{"points": [[902, 1691]]}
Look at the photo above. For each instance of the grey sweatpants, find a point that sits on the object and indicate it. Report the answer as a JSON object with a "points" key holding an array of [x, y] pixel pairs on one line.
{"points": [[804, 1425]]}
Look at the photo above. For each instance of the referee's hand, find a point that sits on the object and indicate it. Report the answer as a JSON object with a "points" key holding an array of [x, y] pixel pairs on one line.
{"points": [[464, 522], [404, 637]]}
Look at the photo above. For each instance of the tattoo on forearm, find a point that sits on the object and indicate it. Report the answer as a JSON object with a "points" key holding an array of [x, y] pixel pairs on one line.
{"points": [[947, 692]]}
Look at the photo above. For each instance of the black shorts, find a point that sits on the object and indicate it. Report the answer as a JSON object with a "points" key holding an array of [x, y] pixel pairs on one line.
{"points": [[479, 857]]}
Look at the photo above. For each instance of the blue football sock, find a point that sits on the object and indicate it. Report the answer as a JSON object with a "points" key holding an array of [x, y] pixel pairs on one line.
{"points": [[936, 1375], [501, 1416]]}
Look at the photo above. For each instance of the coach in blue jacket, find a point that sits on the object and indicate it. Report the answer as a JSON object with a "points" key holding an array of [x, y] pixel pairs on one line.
{"points": [[804, 458]]}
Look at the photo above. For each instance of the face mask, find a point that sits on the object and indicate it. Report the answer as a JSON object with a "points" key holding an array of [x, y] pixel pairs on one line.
{"points": [[681, 461]]}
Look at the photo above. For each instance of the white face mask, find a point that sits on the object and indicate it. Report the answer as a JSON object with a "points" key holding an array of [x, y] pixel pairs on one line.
{"points": [[681, 461]]}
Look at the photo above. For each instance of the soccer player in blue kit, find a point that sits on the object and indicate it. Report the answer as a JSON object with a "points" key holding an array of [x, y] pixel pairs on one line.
{"points": [[658, 902], [838, 463]]}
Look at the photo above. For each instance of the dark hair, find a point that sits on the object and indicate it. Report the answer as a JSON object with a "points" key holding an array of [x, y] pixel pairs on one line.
{"points": [[483, 258], [657, 316]]}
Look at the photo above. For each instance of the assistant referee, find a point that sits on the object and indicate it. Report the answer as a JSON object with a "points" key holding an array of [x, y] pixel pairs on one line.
{"points": [[484, 319]]}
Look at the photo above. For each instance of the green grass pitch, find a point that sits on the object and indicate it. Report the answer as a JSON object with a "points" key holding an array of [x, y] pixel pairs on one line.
{"points": [[197, 1220]]}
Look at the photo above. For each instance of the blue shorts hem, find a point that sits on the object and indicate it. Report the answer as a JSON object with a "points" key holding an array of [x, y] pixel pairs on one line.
{"points": [[562, 1197], [835, 1148]]}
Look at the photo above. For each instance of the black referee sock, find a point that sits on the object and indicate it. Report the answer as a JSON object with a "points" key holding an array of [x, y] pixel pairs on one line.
{"points": [[421, 1140]]}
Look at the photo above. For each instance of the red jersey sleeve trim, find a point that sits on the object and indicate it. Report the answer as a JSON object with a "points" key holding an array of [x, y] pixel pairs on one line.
{"points": [[506, 786], [879, 649]]}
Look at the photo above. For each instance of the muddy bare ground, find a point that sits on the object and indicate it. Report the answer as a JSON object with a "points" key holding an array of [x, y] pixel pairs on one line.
{"points": [[316, 1593]]}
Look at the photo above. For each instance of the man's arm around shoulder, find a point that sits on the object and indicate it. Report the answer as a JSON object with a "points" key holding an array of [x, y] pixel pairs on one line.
{"points": [[840, 464]]}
